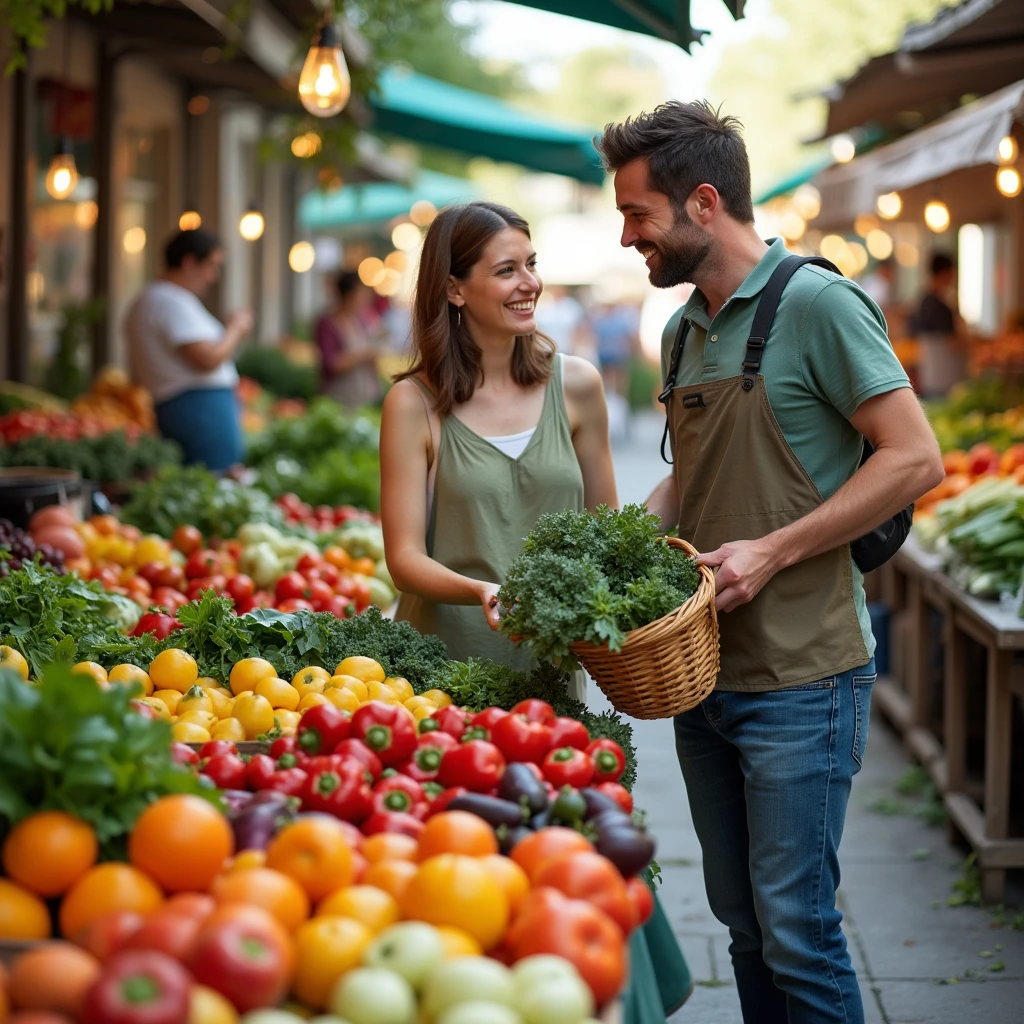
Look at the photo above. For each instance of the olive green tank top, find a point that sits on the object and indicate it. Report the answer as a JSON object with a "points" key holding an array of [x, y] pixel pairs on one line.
{"points": [[484, 504]]}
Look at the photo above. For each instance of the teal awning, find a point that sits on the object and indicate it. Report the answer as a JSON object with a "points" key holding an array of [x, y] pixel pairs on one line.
{"points": [[380, 201], [664, 19], [435, 113], [794, 180]]}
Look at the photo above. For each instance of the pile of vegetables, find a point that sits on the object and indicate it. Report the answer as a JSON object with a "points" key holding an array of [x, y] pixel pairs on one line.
{"points": [[327, 456], [18, 546], [592, 577]]}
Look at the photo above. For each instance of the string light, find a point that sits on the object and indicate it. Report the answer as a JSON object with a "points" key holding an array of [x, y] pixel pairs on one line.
{"points": [[406, 237], [889, 205], [301, 257], [190, 221], [1008, 181], [422, 212], [844, 149], [325, 85], [371, 271], [134, 241], [879, 244], [936, 216], [792, 226], [807, 202], [251, 226], [306, 145], [397, 261], [62, 174], [865, 223], [86, 214], [1007, 149]]}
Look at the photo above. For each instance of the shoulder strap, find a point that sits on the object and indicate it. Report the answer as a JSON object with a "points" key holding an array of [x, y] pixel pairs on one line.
{"points": [[766, 308], [670, 379]]}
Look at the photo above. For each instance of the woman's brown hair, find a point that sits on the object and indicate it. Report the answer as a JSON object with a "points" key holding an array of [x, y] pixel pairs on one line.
{"points": [[445, 353]]}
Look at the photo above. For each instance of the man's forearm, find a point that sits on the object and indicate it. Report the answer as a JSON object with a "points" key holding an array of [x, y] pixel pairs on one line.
{"points": [[886, 483], [663, 502]]}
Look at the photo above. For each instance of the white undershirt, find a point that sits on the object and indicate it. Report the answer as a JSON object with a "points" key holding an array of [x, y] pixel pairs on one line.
{"points": [[513, 445]]}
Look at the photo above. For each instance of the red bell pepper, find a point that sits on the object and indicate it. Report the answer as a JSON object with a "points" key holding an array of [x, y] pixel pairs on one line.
{"points": [[452, 720], [608, 759], [228, 771], [160, 623], [183, 753], [213, 748], [392, 821], [425, 762], [535, 710], [428, 724], [619, 794], [322, 728], [138, 987], [263, 772], [400, 793], [354, 749], [568, 766], [519, 739], [344, 793], [488, 718], [288, 745], [477, 765], [387, 729], [569, 732]]}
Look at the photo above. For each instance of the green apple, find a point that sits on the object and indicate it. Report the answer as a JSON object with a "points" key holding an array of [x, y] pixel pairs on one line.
{"points": [[479, 1012], [412, 949], [370, 995], [532, 970], [556, 1000], [467, 979], [271, 1017]]}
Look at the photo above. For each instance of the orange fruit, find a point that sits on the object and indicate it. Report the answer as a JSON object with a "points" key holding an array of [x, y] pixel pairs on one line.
{"points": [[364, 567], [245, 674], [389, 846], [273, 891], [362, 668], [534, 850], [104, 888], [169, 698], [22, 915], [174, 669], [456, 890], [457, 832], [458, 943], [510, 876], [326, 947], [181, 841], [337, 556], [315, 852], [196, 905], [371, 906], [48, 852], [10, 658], [54, 976], [92, 669], [132, 674], [205, 1006], [247, 859], [390, 875]]}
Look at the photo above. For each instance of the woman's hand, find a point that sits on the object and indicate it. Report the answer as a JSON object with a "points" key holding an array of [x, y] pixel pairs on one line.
{"points": [[489, 603]]}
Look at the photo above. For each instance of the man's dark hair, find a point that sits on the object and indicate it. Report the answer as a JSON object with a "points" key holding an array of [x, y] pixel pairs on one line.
{"points": [[197, 243], [941, 262], [348, 281], [685, 145]]}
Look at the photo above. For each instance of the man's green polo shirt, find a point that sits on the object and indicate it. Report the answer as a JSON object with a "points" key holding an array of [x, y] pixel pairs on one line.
{"points": [[828, 351]]}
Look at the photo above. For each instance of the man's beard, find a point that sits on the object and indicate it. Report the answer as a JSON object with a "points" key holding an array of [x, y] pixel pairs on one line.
{"points": [[680, 255]]}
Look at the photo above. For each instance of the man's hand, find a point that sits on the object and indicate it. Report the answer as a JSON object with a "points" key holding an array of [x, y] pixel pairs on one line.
{"points": [[742, 567]]}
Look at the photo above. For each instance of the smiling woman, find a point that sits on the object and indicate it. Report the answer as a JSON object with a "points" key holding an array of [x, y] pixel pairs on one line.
{"points": [[489, 430]]}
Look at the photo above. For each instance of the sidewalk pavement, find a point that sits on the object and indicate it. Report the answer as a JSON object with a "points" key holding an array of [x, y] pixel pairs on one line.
{"points": [[920, 960]]}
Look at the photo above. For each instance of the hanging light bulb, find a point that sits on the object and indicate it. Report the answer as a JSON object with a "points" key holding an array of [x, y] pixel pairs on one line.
{"points": [[1007, 149], [936, 216], [889, 205], [844, 149], [190, 221], [62, 174], [324, 85], [1008, 181], [251, 226]]}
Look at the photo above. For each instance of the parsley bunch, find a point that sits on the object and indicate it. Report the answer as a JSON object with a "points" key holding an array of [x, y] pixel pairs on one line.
{"points": [[592, 577]]}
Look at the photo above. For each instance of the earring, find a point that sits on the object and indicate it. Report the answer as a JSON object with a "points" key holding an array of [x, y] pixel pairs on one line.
{"points": [[458, 316]]}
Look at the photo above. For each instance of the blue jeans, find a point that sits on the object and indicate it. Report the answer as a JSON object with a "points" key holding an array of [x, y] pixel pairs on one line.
{"points": [[205, 422], [768, 777]]}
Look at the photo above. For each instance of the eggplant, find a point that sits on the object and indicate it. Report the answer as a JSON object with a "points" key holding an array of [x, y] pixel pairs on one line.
{"points": [[234, 800], [509, 837], [542, 820], [629, 849], [492, 809], [614, 817], [521, 786], [598, 802], [257, 823]]}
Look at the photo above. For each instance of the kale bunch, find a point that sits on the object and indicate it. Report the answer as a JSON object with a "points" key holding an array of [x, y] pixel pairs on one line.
{"points": [[592, 576]]}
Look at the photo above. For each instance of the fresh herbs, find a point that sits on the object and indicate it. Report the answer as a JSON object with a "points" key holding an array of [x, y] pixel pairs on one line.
{"points": [[44, 615], [592, 577], [66, 744]]}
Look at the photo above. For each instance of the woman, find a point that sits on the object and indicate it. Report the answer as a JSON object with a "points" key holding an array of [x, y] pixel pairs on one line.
{"points": [[348, 357], [488, 430]]}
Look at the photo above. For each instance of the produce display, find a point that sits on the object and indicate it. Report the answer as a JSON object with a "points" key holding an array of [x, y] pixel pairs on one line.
{"points": [[327, 456], [18, 546], [329, 871], [594, 578], [115, 400]]}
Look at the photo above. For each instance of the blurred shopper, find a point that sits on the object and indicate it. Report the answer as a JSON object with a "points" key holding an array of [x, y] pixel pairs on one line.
{"points": [[940, 332], [185, 356], [348, 352]]}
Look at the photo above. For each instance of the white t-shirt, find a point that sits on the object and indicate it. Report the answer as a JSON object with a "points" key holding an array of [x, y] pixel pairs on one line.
{"points": [[163, 317]]}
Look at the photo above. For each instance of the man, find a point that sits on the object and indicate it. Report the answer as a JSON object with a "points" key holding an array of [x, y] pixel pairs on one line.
{"points": [[766, 484], [185, 356], [939, 330]]}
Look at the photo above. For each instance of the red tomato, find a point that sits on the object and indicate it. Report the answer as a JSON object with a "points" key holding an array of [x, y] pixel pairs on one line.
{"points": [[330, 574], [290, 585], [241, 587], [346, 586], [150, 572], [320, 593], [106, 934], [202, 563], [169, 598], [187, 539], [309, 561], [641, 898], [588, 876], [170, 576], [168, 932], [106, 576], [340, 607], [361, 594], [294, 604]]}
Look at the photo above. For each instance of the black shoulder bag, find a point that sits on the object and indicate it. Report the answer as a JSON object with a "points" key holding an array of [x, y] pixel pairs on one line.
{"points": [[874, 548]]}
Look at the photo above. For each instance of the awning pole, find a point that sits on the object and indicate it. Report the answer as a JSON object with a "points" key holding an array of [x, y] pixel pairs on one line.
{"points": [[17, 291], [103, 234]]}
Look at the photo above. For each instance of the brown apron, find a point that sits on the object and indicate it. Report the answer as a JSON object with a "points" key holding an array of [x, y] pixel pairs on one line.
{"points": [[738, 479]]}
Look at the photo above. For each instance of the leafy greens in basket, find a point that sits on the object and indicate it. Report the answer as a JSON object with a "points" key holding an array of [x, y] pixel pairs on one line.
{"points": [[592, 576]]}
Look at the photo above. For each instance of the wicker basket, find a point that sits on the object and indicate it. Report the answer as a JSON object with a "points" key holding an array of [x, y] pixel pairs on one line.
{"points": [[667, 666]]}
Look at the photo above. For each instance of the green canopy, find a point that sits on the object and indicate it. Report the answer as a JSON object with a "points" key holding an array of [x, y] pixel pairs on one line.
{"points": [[380, 201], [794, 180], [435, 113], [665, 19]]}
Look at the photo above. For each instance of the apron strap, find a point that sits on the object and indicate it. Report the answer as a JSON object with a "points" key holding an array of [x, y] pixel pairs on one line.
{"points": [[670, 380], [766, 308]]}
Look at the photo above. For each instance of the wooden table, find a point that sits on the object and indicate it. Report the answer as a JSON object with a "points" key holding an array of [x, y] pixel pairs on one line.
{"points": [[913, 586]]}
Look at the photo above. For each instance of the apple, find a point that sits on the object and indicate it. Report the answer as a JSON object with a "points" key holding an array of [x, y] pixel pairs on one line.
{"points": [[370, 995], [532, 970], [479, 1012], [326, 1019], [464, 980], [412, 949], [564, 1000], [271, 1017]]}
